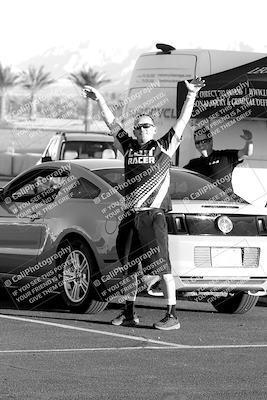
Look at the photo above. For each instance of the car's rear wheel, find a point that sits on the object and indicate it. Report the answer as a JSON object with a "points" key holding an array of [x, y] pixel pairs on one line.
{"points": [[236, 303], [78, 292]]}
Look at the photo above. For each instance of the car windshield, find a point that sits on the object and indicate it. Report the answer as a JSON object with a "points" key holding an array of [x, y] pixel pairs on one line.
{"points": [[184, 185], [85, 149]]}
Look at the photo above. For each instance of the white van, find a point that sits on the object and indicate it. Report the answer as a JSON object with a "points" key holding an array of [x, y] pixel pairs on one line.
{"points": [[153, 89]]}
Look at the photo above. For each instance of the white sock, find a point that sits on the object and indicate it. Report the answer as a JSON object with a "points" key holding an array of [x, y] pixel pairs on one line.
{"points": [[169, 289]]}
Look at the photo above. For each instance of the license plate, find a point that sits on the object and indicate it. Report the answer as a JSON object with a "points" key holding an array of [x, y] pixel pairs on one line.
{"points": [[225, 257]]}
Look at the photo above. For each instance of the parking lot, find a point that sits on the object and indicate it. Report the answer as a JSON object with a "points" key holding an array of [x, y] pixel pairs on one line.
{"points": [[54, 354], [51, 353], [133, 201]]}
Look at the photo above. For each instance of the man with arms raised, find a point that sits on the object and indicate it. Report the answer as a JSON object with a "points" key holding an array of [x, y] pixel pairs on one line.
{"points": [[144, 228]]}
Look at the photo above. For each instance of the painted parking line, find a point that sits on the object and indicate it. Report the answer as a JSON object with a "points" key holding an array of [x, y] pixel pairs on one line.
{"points": [[135, 348], [164, 345], [84, 349], [76, 328]]}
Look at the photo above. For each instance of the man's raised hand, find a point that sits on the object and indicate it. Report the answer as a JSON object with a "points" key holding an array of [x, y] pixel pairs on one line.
{"points": [[247, 135], [195, 85], [91, 92]]}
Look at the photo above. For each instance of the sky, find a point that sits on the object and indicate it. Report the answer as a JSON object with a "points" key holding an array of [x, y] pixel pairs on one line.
{"points": [[31, 27]]}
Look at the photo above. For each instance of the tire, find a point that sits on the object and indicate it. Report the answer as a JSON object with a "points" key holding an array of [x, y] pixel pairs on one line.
{"points": [[78, 292], [237, 303]]}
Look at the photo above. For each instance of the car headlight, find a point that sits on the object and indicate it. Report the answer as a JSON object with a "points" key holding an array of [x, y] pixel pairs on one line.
{"points": [[224, 224]]}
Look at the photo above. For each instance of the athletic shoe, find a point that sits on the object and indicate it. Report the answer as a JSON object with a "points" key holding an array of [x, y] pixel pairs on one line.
{"points": [[125, 320], [168, 323]]}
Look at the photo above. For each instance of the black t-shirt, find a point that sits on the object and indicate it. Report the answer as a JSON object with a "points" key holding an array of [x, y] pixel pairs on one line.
{"points": [[147, 176], [219, 166]]}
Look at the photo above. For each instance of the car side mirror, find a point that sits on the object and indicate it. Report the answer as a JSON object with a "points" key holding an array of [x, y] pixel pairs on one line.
{"points": [[46, 159]]}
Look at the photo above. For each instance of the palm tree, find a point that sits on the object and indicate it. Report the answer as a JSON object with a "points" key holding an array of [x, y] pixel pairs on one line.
{"points": [[8, 79], [34, 79], [87, 76]]}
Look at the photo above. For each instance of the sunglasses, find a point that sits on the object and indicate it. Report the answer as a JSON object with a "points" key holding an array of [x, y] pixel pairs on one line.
{"points": [[146, 126], [203, 141]]}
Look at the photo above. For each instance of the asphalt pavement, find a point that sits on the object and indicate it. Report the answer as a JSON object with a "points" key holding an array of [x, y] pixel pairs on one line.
{"points": [[54, 354], [51, 353]]}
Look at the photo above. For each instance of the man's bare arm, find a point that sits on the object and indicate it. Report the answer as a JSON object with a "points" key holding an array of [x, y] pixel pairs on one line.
{"points": [[193, 88], [105, 111]]}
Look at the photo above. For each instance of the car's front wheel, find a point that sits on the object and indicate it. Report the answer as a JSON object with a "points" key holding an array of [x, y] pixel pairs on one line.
{"points": [[235, 303], [78, 292]]}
